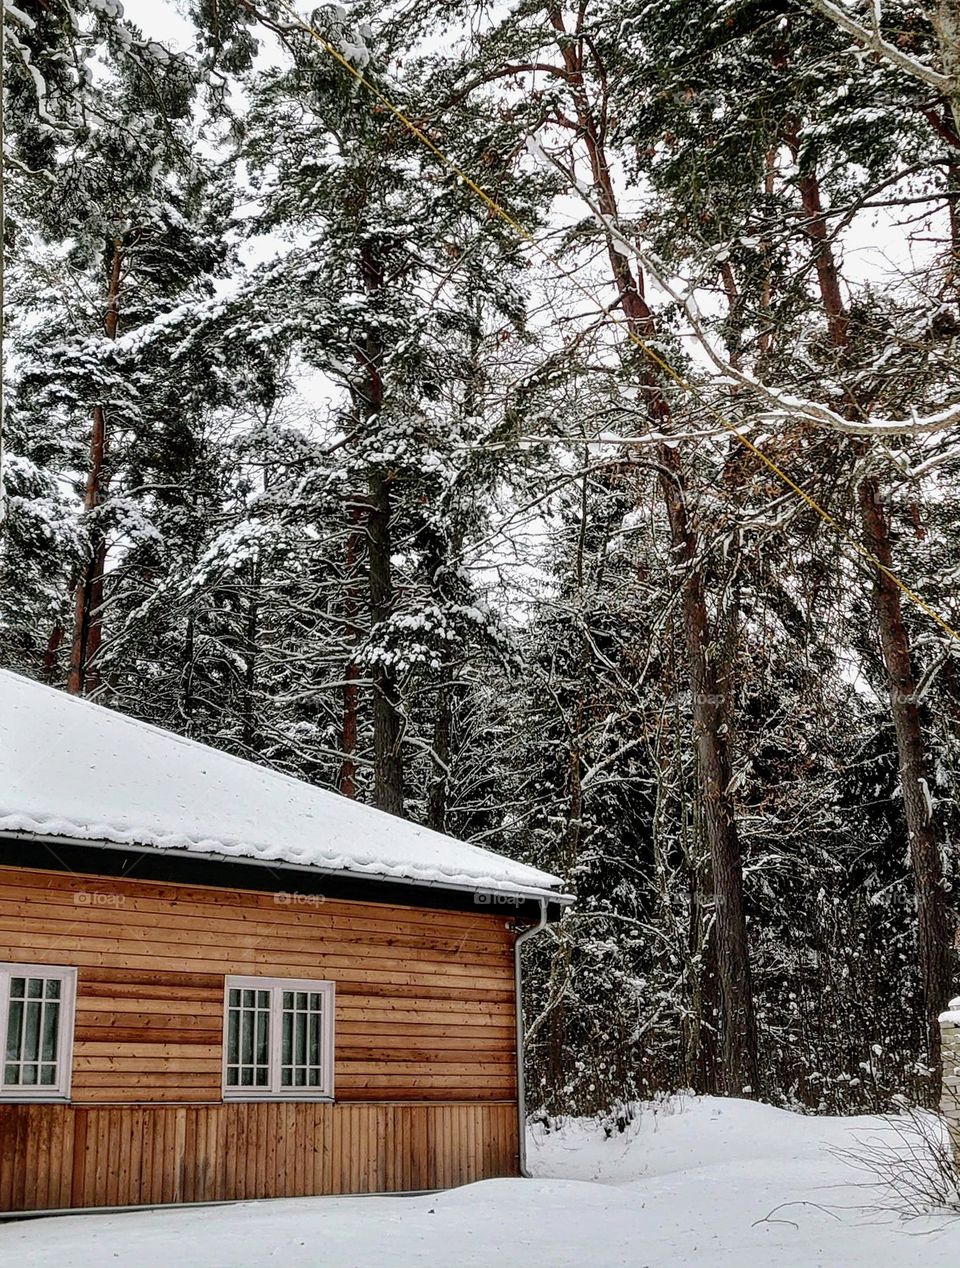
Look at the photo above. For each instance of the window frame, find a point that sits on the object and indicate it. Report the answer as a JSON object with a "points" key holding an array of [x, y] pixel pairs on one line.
{"points": [[274, 1091], [66, 1025]]}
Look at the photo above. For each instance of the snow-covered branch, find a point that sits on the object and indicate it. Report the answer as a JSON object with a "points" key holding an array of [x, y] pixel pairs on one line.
{"points": [[784, 404], [779, 404], [872, 39], [17, 15]]}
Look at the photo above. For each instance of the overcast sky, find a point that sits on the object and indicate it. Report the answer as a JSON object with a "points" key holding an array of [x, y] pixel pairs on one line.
{"points": [[162, 20]]}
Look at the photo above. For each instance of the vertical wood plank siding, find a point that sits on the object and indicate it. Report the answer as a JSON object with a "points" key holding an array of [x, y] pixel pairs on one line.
{"points": [[58, 1156], [425, 1078]]}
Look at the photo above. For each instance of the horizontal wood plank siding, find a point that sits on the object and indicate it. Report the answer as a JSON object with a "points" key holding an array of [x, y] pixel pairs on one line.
{"points": [[424, 998], [58, 1156]]}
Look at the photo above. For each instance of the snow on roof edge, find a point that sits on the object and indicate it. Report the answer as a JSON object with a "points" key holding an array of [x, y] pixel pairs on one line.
{"points": [[21, 827]]}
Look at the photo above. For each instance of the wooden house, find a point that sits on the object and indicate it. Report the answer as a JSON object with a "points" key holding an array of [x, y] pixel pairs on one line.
{"points": [[219, 982]]}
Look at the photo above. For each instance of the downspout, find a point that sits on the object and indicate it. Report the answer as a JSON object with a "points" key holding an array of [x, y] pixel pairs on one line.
{"points": [[521, 1082]]}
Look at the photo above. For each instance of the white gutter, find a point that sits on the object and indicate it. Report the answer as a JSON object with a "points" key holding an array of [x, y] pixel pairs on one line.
{"points": [[521, 1081]]}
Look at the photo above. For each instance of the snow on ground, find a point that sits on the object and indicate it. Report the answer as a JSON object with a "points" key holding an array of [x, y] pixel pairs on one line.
{"points": [[698, 1182]]}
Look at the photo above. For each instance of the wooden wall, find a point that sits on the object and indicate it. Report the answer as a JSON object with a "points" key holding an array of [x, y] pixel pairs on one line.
{"points": [[425, 1074], [58, 1156], [424, 1010]]}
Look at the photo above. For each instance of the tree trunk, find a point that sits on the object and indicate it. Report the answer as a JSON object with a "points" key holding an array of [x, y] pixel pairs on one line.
{"points": [[88, 627], [387, 722], [387, 717], [436, 555], [441, 550], [946, 23], [48, 666], [188, 702], [933, 937], [251, 639], [711, 731], [437, 791], [349, 728], [739, 1036], [926, 861], [702, 1053]]}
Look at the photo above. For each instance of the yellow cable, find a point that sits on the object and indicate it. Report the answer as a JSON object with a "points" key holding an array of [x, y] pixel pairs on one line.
{"points": [[523, 232]]}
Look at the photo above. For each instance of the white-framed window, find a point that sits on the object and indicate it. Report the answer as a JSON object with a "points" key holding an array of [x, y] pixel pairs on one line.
{"points": [[36, 1031], [277, 1039]]}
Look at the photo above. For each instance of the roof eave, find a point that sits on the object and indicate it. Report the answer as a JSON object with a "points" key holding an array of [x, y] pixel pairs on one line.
{"points": [[486, 894]]}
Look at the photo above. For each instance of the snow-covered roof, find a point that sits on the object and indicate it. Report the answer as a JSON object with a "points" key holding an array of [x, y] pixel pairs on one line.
{"points": [[73, 769]]}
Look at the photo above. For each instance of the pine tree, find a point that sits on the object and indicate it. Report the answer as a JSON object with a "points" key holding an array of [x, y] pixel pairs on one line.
{"points": [[122, 225]]}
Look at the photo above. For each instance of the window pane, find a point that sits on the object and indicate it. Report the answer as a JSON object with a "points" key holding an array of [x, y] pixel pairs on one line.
{"points": [[248, 1037], [286, 1040], [262, 1045], [14, 1022], [51, 1014], [31, 1028], [246, 1041], [233, 1033], [300, 1030], [300, 1046]]}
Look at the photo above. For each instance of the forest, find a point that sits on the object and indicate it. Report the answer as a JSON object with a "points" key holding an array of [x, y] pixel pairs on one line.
{"points": [[541, 421]]}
